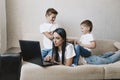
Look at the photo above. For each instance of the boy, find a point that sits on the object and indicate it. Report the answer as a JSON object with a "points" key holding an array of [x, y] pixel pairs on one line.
{"points": [[85, 43], [46, 29]]}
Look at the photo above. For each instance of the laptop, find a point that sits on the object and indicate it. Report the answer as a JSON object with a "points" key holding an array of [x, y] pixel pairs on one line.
{"points": [[31, 52]]}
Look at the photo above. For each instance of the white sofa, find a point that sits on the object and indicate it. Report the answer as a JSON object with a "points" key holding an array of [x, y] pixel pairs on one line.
{"points": [[30, 71]]}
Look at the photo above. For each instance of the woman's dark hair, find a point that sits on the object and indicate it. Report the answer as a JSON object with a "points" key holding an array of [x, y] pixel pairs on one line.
{"points": [[62, 33]]}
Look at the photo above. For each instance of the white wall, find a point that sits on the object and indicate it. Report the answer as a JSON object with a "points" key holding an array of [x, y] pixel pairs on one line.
{"points": [[25, 16], [3, 40]]}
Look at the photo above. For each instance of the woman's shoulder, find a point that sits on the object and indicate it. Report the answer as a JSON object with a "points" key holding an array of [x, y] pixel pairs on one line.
{"points": [[68, 45]]}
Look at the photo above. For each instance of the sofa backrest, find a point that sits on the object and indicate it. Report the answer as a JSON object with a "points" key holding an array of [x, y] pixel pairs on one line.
{"points": [[103, 46]]}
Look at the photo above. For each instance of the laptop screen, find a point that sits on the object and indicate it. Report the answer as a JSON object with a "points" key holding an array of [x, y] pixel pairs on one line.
{"points": [[30, 49]]}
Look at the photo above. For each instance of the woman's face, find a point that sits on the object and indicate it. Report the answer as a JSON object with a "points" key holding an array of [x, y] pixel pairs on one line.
{"points": [[57, 39]]}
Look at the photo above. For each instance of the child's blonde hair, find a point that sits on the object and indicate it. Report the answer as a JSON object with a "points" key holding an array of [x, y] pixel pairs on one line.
{"points": [[51, 11], [87, 23]]}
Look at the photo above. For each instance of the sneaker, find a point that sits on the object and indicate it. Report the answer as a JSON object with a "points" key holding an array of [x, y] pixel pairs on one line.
{"points": [[117, 51], [73, 65]]}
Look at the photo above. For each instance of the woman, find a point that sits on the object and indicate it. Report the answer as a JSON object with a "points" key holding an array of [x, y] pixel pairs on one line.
{"points": [[106, 58], [63, 52]]}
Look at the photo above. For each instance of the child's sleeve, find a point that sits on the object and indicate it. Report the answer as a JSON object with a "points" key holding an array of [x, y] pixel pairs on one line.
{"points": [[42, 29]]}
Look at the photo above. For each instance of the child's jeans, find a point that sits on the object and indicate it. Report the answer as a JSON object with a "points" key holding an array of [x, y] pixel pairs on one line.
{"points": [[46, 52], [79, 50]]}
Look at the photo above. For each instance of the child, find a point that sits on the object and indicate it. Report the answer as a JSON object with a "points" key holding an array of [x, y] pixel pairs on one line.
{"points": [[47, 29], [85, 43]]}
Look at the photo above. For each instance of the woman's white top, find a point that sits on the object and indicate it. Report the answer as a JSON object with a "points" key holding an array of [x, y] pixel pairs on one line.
{"points": [[69, 52]]}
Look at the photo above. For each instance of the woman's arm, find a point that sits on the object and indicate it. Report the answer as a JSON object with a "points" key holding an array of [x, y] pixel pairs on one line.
{"points": [[69, 62], [70, 40]]}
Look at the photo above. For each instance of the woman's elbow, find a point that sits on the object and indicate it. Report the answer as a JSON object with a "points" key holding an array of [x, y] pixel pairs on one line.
{"points": [[69, 62]]}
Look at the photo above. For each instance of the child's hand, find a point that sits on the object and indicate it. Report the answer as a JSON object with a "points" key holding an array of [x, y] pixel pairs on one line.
{"points": [[77, 42]]}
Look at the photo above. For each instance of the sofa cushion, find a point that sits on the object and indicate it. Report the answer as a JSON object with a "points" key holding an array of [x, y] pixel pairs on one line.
{"points": [[32, 71], [103, 46], [112, 71]]}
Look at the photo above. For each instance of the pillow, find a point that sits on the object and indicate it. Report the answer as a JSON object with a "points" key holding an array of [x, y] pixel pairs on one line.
{"points": [[117, 45]]}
